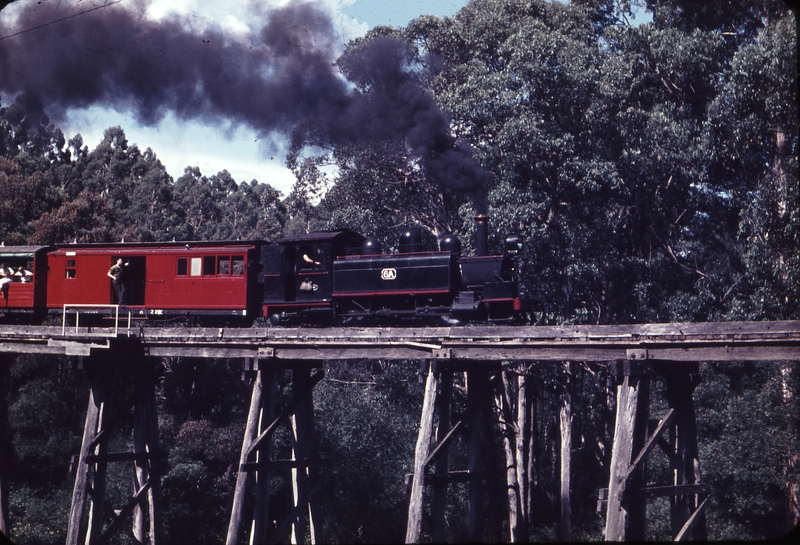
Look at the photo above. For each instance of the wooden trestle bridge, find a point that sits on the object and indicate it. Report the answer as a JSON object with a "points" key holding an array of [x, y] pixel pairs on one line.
{"points": [[634, 352]]}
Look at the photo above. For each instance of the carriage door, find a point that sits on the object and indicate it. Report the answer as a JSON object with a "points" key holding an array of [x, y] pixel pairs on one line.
{"points": [[134, 278]]}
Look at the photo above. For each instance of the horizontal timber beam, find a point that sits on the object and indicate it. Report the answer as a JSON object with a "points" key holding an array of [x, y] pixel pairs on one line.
{"points": [[459, 476], [674, 490], [124, 457], [681, 342]]}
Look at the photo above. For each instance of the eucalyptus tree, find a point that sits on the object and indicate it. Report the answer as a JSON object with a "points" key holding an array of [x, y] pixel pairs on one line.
{"points": [[26, 129], [149, 206], [614, 151], [520, 80], [752, 136]]}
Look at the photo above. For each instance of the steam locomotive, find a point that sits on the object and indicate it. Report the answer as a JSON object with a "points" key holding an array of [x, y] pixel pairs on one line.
{"points": [[325, 278]]}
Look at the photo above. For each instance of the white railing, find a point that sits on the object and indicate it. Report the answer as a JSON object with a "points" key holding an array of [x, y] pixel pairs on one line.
{"points": [[77, 315]]}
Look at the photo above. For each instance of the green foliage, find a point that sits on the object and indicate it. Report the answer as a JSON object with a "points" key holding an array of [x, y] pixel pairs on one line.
{"points": [[204, 389], [202, 407], [87, 218], [367, 424], [39, 515], [217, 208], [748, 437], [42, 400], [23, 199], [198, 488], [26, 130], [44, 407], [750, 433]]}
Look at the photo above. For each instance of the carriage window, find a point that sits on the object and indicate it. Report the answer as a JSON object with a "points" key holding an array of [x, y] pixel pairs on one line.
{"points": [[182, 266], [71, 271], [224, 265], [209, 265], [195, 266], [238, 264]]}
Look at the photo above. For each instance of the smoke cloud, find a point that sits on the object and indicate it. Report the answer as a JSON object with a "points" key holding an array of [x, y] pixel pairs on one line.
{"points": [[280, 78]]}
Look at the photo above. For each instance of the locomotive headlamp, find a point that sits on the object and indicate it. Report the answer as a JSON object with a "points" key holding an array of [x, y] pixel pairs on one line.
{"points": [[514, 244]]}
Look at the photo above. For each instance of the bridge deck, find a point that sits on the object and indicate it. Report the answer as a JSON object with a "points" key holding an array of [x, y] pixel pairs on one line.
{"points": [[717, 341]]}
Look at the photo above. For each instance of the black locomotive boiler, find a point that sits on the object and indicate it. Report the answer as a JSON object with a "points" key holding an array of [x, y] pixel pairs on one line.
{"points": [[343, 277]]}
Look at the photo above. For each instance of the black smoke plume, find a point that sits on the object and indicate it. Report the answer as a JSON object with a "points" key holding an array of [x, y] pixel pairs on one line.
{"points": [[285, 77]]}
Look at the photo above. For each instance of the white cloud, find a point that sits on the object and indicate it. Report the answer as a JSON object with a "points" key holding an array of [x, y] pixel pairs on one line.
{"points": [[179, 144], [246, 15]]}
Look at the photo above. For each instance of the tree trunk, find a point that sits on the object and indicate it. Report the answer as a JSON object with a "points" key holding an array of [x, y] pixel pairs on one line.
{"points": [[511, 440], [5, 446], [565, 424], [533, 472], [779, 171], [415, 504], [522, 453], [793, 461], [793, 490]]}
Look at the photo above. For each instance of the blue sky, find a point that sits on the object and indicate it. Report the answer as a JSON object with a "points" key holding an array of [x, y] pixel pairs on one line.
{"points": [[400, 12]]}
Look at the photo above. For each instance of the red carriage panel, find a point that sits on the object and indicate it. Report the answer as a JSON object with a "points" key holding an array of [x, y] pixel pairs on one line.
{"points": [[23, 280], [158, 278]]}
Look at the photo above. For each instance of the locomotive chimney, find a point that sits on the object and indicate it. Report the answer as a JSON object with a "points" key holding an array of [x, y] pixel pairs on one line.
{"points": [[481, 235]]}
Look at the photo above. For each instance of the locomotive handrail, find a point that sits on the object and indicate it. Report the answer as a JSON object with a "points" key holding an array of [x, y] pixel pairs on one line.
{"points": [[76, 306]]}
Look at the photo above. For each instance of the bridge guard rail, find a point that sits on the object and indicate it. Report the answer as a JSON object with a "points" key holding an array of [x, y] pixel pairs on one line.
{"points": [[77, 317]]}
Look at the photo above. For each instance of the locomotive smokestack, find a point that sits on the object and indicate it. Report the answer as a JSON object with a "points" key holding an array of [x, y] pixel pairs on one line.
{"points": [[481, 235]]}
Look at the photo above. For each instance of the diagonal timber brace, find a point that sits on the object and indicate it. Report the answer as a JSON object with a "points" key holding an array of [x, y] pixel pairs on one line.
{"points": [[255, 458]]}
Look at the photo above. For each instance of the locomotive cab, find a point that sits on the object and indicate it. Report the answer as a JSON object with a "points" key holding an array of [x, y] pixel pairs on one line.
{"points": [[297, 275]]}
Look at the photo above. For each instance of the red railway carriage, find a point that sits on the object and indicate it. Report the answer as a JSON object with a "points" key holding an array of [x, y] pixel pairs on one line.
{"points": [[25, 278], [161, 279]]}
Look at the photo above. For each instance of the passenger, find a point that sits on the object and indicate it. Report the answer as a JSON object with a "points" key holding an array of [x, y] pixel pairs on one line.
{"points": [[116, 273], [23, 275], [310, 261], [4, 282]]}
